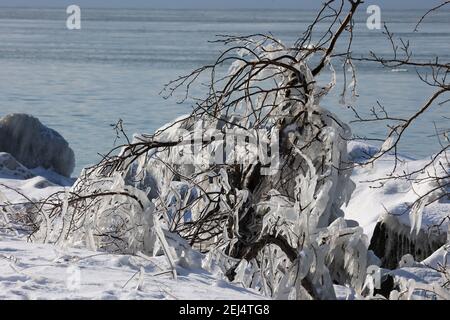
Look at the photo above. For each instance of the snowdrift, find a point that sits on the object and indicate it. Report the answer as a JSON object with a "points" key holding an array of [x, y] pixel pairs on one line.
{"points": [[382, 208], [10, 167]]}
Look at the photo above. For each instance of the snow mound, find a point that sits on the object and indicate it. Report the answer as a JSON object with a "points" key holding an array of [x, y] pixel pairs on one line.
{"points": [[383, 207], [10, 167], [360, 151], [372, 200], [419, 283], [35, 145], [20, 188]]}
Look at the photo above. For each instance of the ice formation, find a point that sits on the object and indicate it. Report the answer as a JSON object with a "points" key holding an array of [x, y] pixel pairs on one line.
{"points": [[384, 208], [35, 145], [283, 234]]}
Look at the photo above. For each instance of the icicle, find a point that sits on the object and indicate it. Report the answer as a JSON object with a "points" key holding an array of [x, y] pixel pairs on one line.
{"points": [[165, 246], [415, 216]]}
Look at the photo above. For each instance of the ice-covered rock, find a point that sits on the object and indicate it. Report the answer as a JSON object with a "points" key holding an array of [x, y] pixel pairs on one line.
{"points": [[392, 240], [35, 145], [385, 208]]}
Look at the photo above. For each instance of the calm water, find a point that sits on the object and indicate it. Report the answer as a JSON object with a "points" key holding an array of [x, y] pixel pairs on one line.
{"points": [[80, 82]]}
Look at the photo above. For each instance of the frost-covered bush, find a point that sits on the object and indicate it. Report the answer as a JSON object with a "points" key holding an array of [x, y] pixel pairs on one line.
{"points": [[270, 218], [35, 145], [254, 178], [100, 213], [251, 183]]}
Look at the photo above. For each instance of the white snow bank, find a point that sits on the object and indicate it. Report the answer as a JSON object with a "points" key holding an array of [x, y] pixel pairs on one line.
{"points": [[420, 282], [370, 201], [43, 271], [10, 167], [35, 145], [19, 184]]}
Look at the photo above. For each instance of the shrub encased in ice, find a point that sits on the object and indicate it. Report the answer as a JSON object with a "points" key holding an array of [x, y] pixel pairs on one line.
{"points": [[35, 145]]}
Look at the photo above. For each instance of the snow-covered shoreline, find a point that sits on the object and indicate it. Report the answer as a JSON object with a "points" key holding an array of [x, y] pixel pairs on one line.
{"points": [[46, 271]]}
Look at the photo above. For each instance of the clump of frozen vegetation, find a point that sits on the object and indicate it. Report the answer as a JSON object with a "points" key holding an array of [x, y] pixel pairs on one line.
{"points": [[35, 145], [254, 178]]}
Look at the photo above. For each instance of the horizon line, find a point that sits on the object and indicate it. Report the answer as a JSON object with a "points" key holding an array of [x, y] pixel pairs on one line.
{"points": [[187, 8]]}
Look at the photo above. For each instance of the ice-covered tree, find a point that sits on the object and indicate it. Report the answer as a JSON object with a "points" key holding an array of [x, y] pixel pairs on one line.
{"points": [[254, 177]]}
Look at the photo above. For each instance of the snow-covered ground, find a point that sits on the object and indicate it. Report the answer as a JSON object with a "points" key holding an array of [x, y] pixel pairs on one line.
{"points": [[45, 271]]}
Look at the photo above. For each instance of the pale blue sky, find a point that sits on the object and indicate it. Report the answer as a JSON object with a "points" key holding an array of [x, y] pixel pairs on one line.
{"points": [[212, 4]]}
